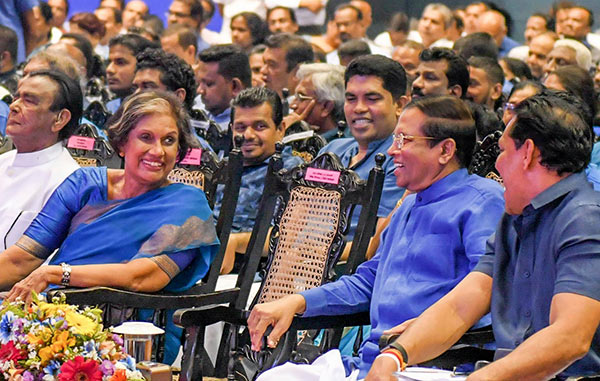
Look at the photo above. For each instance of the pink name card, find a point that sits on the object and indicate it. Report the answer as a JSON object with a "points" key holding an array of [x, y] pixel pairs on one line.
{"points": [[322, 175], [81, 142], [193, 157]]}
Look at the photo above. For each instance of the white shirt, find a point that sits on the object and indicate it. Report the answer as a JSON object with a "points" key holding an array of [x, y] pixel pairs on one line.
{"points": [[27, 181], [519, 52], [334, 59]]}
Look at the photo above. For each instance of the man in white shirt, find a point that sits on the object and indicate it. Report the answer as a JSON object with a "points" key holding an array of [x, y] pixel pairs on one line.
{"points": [[46, 110]]}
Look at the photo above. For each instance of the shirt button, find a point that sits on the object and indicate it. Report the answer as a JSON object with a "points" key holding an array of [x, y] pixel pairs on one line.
{"points": [[528, 313], [526, 274], [419, 198]]}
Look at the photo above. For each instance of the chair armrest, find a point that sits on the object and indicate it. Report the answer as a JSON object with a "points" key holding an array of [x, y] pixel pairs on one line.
{"points": [[334, 321], [478, 336], [209, 314], [161, 300]]}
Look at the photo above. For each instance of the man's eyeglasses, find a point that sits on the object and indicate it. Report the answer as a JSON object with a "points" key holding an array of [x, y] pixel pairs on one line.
{"points": [[510, 106], [177, 14], [400, 138], [302, 97]]}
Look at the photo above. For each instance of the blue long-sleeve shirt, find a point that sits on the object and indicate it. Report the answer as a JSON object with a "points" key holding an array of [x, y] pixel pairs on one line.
{"points": [[433, 240], [346, 149]]}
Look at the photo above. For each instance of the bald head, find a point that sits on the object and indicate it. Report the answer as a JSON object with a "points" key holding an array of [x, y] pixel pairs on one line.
{"points": [[493, 23], [65, 49], [366, 10]]}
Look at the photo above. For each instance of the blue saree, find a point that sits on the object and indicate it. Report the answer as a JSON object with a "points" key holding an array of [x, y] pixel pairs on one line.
{"points": [[172, 225]]}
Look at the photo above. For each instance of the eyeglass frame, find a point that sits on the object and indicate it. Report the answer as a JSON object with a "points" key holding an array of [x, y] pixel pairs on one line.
{"points": [[178, 14], [302, 98], [398, 142]]}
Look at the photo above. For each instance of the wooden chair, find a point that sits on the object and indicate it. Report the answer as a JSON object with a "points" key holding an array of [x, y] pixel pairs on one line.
{"points": [[90, 150], [305, 143], [310, 207], [486, 151], [97, 113], [228, 173], [209, 131]]}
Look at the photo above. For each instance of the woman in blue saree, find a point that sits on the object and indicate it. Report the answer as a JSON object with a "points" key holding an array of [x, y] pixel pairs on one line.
{"points": [[130, 228]]}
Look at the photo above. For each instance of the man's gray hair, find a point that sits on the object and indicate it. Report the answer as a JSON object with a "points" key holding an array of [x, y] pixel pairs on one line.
{"points": [[444, 10], [328, 81]]}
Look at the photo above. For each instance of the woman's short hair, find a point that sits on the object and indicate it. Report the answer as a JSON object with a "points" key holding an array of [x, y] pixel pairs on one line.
{"points": [[145, 103]]}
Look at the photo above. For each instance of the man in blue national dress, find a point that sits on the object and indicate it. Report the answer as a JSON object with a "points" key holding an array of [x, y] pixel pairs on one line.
{"points": [[538, 275], [433, 240]]}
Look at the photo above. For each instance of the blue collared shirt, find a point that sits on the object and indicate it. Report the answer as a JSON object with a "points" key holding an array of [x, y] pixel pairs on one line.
{"points": [[552, 247], [251, 190], [433, 240], [507, 45], [346, 149], [113, 105]]}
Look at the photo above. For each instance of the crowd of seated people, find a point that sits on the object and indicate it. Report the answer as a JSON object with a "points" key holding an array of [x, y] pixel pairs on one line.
{"points": [[451, 250]]}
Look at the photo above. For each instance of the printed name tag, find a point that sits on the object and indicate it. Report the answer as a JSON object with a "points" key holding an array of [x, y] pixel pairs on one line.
{"points": [[193, 157], [81, 142], [322, 175]]}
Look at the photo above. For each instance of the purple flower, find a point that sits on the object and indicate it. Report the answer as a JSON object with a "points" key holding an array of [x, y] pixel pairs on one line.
{"points": [[117, 339], [107, 368], [27, 376]]}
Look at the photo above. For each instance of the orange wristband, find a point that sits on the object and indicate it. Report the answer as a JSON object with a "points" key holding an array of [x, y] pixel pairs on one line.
{"points": [[396, 353]]}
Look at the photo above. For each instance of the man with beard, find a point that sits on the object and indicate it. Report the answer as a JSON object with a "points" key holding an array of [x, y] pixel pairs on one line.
{"points": [[485, 82]]}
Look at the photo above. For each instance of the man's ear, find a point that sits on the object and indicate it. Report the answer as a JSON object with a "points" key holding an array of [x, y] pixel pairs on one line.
{"points": [[455, 90], [496, 91], [236, 86], [400, 103], [190, 51], [530, 154], [62, 118], [180, 93], [448, 150], [327, 109]]}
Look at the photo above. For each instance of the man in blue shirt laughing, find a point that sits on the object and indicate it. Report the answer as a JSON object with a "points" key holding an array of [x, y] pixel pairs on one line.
{"points": [[433, 240]]}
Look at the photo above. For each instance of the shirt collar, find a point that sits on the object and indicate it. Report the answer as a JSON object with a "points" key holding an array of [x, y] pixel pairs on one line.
{"points": [[31, 159], [438, 188], [557, 190]]}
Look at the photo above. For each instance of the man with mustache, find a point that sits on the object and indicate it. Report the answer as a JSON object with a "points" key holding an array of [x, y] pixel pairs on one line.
{"points": [[441, 72]]}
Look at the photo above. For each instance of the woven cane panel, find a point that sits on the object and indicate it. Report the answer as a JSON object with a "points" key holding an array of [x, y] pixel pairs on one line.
{"points": [[307, 229], [307, 157], [180, 175], [86, 162]]}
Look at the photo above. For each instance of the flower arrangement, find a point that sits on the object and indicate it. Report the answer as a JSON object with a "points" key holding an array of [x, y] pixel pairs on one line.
{"points": [[57, 341]]}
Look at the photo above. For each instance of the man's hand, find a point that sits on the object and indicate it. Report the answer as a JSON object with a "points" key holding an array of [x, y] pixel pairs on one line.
{"points": [[278, 314], [382, 370], [399, 328], [293, 117]]}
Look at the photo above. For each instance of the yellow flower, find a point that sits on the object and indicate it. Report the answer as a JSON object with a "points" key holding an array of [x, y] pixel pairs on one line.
{"points": [[83, 325], [51, 309], [40, 337], [62, 341], [46, 354]]}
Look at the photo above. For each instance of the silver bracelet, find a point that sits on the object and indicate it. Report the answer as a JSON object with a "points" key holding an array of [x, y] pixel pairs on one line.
{"points": [[66, 274]]}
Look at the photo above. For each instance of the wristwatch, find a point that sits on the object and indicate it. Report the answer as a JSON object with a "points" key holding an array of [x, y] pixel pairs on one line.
{"points": [[397, 346]]}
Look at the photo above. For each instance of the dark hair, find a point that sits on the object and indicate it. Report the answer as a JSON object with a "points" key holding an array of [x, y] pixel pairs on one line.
{"points": [[457, 71], [578, 82], [448, 117], [211, 12], [399, 23], [134, 42], [45, 10], [557, 130], [256, 96], [460, 24], [288, 10], [9, 42], [69, 96], [297, 49], [117, 14], [89, 22], [258, 28], [359, 14], [544, 16], [154, 25], [233, 62], [258, 49], [390, 72], [175, 73], [150, 102], [85, 46], [478, 44], [196, 9], [518, 68], [492, 69], [523, 84], [486, 120], [354, 48], [185, 35]]}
